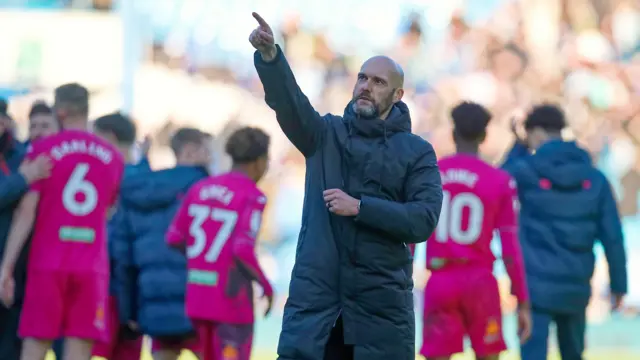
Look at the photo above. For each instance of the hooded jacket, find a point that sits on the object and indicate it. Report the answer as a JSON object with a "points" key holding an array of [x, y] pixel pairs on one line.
{"points": [[566, 206], [359, 268], [149, 277]]}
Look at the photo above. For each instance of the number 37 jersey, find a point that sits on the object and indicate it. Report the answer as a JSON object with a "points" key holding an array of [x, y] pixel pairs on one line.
{"points": [[219, 221], [70, 227]]}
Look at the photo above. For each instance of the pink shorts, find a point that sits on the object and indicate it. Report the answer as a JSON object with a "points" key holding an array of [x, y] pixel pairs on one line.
{"points": [[60, 304], [117, 348], [215, 341], [462, 301]]}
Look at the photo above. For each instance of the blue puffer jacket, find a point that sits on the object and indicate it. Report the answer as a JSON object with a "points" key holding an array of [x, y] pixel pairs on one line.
{"points": [[149, 276], [566, 205], [129, 170]]}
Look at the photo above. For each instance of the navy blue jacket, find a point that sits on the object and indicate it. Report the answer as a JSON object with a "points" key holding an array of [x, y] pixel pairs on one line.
{"points": [[12, 186], [129, 170], [358, 267], [151, 277], [566, 206]]}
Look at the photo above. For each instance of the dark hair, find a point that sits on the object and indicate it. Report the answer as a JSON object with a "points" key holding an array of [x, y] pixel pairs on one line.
{"points": [[40, 108], [247, 144], [120, 125], [184, 136], [73, 97], [547, 117], [470, 120]]}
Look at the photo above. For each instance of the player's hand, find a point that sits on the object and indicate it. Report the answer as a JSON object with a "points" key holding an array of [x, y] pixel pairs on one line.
{"points": [[616, 301], [262, 39], [515, 126], [339, 203], [40, 168], [7, 287], [145, 145], [267, 311], [525, 323]]}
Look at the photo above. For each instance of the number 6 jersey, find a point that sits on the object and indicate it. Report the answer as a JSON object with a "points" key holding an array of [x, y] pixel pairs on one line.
{"points": [[478, 199], [219, 221], [70, 228]]}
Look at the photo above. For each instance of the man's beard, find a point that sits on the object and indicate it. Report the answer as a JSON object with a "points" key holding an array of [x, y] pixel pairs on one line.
{"points": [[368, 112], [373, 111]]}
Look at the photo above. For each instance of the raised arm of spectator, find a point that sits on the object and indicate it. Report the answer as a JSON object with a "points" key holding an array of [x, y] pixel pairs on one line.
{"points": [[611, 237], [412, 221], [296, 116]]}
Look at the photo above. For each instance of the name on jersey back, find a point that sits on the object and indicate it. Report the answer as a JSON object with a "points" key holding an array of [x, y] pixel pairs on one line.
{"points": [[216, 192], [94, 149], [459, 176]]}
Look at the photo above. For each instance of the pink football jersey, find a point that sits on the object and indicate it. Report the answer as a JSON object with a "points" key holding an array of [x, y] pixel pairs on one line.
{"points": [[70, 228], [219, 219], [477, 199]]}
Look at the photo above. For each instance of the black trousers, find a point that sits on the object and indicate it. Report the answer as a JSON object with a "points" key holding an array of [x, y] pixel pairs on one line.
{"points": [[336, 349], [10, 343]]}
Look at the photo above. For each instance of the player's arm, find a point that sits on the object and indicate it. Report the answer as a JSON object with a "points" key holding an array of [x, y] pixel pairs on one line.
{"points": [[612, 239], [412, 221], [21, 226], [507, 226], [244, 247], [297, 117], [12, 188], [16, 184]]}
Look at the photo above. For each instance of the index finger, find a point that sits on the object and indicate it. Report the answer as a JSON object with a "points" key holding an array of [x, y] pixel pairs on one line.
{"points": [[260, 20], [329, 192]]}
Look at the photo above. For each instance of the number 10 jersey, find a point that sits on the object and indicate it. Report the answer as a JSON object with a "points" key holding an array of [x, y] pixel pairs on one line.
{"points": [[478, 200], [69, 233]]}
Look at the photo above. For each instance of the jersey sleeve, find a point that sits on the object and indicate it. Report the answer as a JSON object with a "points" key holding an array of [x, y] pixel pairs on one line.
{"points": [[244, 245], [507, 226], [179, 228]]}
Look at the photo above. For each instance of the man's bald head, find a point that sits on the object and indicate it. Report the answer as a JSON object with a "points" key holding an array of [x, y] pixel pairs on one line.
{"points": [[379, 86], [395, 74]]}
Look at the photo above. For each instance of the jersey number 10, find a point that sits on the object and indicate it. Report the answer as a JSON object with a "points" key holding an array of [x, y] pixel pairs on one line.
{"points": [[450, 225]]}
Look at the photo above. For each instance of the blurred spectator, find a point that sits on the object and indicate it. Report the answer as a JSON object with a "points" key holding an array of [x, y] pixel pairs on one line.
{"points": [[42, 122], [14, 182]]}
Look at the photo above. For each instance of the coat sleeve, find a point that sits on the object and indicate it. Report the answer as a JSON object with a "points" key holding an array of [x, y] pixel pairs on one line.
{"points": [[12, 188], [611, 237], [414, 220], [124, 270], [299, 121], [517, 152]]}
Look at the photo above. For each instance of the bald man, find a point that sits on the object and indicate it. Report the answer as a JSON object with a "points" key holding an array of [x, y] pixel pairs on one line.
{"points": [[372, 189]]}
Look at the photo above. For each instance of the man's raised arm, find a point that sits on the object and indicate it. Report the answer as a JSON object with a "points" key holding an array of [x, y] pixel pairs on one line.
{"points": [[297, 118]]}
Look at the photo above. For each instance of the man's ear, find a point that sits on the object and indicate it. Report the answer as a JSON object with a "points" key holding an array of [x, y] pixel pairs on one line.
{"points": [[398, 95]]}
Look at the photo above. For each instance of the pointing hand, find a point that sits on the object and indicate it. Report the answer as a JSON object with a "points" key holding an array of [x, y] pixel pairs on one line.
{"points": [[262, 39]]}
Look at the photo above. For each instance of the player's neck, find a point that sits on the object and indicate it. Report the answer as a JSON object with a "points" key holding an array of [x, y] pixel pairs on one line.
{"points": [[467, 150], [75, 124], [240, 169]]}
